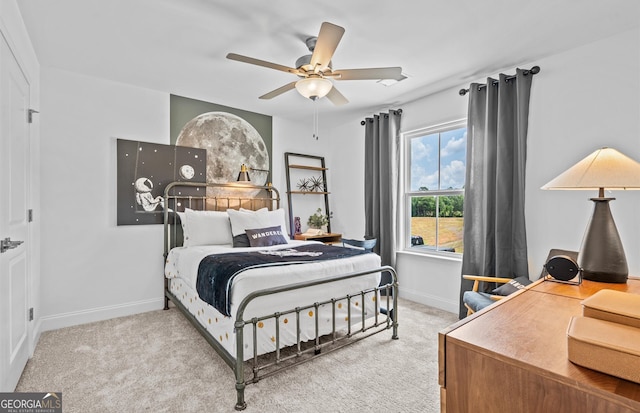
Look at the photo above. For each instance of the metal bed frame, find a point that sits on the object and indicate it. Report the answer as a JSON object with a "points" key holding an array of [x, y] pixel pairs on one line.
{"points": [[282, 358]]}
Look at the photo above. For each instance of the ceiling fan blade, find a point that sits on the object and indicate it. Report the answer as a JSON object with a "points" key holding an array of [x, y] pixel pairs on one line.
{"points": [[336, 97], [263, 63], [326, 45], [279, 90], [369, 74]]}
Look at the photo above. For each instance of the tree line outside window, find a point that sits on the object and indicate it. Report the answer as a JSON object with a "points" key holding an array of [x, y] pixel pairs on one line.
{"points": [[448, 206]]}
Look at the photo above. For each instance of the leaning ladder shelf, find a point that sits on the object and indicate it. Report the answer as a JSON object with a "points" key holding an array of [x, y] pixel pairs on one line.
{"points": [[322, 168]]}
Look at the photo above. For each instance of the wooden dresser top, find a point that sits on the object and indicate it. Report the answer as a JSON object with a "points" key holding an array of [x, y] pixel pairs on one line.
{"points": [[529, 330]]}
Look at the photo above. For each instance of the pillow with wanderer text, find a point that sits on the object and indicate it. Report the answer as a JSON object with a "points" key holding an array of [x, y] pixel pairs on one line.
{"points": [[243, 220], [264, 237]]}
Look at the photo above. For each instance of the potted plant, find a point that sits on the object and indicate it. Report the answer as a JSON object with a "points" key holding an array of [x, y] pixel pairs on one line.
{"points": [[318, 220]]}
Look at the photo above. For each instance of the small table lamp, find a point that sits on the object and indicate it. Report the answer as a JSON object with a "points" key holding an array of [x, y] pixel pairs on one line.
{"points": [[243, 176], [601, 256]]}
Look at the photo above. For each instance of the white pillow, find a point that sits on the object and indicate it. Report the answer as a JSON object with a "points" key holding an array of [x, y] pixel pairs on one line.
{"points": [[206, 228], [265, 209], [183, 220], [244, 220]]}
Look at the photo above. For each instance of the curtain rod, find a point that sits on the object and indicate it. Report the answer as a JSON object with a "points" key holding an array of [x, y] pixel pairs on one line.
{"points": [[397, 112], [534, 70]]}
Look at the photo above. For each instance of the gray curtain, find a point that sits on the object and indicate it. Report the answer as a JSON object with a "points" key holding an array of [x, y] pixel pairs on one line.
{"points": [[495, 238], [382, 138]]}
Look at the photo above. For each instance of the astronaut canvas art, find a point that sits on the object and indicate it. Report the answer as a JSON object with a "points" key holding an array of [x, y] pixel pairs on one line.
{"points": [[145, 169]]}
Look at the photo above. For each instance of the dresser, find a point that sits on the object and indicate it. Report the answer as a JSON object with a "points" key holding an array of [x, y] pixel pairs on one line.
{"points": [[512, 357]]}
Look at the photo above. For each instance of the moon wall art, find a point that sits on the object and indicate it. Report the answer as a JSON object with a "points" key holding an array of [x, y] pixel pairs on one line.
{"points": [[230, 141], [230, 136]]}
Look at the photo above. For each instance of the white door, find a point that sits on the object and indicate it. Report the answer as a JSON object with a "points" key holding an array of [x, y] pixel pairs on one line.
{"points": [[14, 192]]}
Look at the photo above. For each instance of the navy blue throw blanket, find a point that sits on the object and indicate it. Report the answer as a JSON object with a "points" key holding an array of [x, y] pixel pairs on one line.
{"points": [[217, 271]]}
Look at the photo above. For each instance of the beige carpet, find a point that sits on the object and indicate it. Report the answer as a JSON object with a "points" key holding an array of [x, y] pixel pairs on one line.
{"points": [[158, 362]]}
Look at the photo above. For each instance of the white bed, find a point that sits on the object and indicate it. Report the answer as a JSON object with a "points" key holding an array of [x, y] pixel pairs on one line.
{"points": [[182, 268], [274, 306]]}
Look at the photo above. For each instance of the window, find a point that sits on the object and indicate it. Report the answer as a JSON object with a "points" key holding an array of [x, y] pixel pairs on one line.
{"points": [[435, 160]]}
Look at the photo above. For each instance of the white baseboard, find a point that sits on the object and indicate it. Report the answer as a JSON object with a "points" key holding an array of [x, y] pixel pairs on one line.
{"points": [[431, 301], [35, 333], [56, 321]]}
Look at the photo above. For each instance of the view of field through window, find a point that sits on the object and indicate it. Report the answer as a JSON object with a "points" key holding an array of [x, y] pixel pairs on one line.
{"points": [[443, 232], [437, 177]]}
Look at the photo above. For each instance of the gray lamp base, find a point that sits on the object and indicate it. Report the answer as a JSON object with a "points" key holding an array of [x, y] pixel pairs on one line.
{"points": [[602, 256]]}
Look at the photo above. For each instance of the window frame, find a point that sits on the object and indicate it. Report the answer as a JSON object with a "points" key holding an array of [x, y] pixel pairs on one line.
{"points": [[407, 193]]}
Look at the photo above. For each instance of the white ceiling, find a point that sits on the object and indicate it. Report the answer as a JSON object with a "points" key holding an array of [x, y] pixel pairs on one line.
{"points": [[179, 46]]}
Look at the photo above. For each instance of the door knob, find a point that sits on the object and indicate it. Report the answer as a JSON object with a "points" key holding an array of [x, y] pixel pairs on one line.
{"points": [[7, 244]]}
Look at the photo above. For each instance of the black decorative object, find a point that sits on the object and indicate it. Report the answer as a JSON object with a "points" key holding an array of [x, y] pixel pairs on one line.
{"points": [[563, 269], [304, 184], [602, 255], [316, 184]]}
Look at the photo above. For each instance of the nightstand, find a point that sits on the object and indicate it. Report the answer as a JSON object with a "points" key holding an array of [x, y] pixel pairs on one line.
{"points": [[329, 238]]}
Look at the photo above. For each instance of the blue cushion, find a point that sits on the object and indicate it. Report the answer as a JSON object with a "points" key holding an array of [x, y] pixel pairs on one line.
{"points": [[366, 244], [477, 300]]}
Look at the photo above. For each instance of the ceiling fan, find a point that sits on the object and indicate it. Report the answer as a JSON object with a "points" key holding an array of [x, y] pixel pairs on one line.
{"points": [[316, 71]]}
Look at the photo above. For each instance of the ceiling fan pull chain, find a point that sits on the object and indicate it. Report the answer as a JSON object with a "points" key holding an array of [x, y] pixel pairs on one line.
{"points": [[315, 119]]}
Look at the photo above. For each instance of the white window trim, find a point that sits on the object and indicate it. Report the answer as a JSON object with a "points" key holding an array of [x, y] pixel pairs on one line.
{"points": [[405, 205]]}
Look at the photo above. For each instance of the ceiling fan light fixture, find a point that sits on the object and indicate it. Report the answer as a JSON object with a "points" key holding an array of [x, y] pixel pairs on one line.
{"points": [[316, 71], [314, 87]]}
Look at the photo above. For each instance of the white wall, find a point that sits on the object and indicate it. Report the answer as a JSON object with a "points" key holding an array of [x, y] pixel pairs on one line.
{"points": [[297, 137], [92, 268], [346, 176], [342, 147], [582, 99]]}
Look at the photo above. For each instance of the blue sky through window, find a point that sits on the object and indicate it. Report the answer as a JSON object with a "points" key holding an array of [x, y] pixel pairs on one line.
{"points": [[449, 148]]}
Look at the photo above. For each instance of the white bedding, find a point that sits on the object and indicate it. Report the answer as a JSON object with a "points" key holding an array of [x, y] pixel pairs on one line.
{"points": [[182, 266]]}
